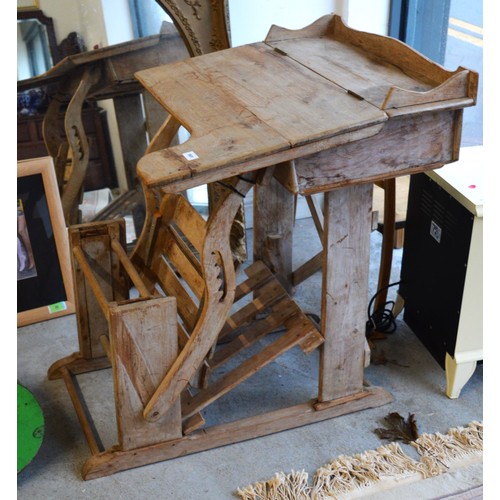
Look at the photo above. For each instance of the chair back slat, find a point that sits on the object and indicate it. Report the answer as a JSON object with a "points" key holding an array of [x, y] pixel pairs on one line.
{"points": [[171, 285], [189, 223]]}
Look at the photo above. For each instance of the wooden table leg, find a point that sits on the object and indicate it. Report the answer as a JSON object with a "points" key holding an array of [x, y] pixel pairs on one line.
{"points": [[129, 115], [384, 276], [273, 229], [53, 135], [346, 260]]}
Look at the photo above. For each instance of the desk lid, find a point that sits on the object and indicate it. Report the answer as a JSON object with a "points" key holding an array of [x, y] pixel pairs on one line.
{"points": [[248, 102], [298, 91], [382, 70]]}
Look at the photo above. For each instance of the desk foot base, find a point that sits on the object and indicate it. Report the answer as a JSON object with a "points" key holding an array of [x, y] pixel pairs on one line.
{"points": [[115, 460], [77, 364]]}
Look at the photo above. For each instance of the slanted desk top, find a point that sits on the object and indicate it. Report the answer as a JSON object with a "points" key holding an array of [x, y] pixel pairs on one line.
{"points": [[295, 94]]}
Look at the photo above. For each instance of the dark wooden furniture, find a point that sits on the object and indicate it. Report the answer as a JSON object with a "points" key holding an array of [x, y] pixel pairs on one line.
{"points": [[105, 73], [101, 168]]}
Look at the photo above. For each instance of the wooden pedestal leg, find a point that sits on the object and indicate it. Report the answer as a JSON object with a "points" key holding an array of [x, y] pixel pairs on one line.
{"points": [[55, 142], [346, 260], [273, 229]]}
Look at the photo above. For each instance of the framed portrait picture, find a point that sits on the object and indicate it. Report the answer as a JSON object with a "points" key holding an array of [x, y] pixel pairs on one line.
{"points": [[44, 280]]}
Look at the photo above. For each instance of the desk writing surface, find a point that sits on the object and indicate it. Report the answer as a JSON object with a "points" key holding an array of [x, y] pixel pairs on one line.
{"points": [[297, 90], [250, 101]]}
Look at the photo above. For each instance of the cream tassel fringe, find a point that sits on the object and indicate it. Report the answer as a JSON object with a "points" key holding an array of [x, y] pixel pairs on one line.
{"points": [[280, 487], [349, 476], [440, 452]]}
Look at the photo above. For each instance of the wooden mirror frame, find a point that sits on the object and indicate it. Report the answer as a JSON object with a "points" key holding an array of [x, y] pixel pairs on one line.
{"points": [[49, 25]]}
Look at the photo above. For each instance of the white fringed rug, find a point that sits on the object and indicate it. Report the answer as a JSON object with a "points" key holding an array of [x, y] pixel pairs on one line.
{"points": [[357, 476]]}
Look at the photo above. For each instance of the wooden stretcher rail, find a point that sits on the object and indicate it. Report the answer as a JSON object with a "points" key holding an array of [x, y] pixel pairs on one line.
{"points": [[129, 267], [94, 285], [92, 439]]}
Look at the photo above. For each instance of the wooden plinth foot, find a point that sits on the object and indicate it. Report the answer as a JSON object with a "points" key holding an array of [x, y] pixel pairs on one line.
{"points": [[76, 364], [114, 460]]}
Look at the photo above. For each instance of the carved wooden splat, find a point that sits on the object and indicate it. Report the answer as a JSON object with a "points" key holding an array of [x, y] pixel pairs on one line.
{"points": [[204, 24]]}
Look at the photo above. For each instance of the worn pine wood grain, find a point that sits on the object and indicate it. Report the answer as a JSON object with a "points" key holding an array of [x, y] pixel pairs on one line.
{"points": [[190, 222], [248, 367], [107, 463], [384, 71], [271, 309], [287, 96], [144, 345], [251, 334], [274, 218], [237, 112], [315, 86], [81, 414], [171, 284], [252, 108], [350, 68], [94, 242], [428, 139], [218, 296], [166, 169], [285, 174], [346, 261]]}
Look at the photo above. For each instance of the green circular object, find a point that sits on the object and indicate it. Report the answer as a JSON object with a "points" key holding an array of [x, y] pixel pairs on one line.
{"points": [[30, 427]]}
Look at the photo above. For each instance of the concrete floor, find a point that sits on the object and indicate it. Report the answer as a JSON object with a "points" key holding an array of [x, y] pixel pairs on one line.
{"points": [[410, 374]]}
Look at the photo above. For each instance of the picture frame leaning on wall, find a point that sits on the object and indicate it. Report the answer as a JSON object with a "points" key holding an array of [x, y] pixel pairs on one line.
{"points": [[44, 280], [28, 4]]}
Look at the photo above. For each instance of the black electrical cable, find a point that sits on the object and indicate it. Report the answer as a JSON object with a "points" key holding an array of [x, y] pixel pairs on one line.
{"points": [[381, 320]]}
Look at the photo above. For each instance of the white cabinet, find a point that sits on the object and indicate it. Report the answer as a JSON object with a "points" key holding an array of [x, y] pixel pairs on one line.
{"points": [[442, 268]]}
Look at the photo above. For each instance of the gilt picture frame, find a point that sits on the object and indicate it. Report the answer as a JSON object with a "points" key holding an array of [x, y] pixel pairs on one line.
{"points": [[44, 280], [27, 4]]}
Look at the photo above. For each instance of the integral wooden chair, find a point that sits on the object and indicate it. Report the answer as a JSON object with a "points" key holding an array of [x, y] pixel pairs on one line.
{"points": [[165, 319]]}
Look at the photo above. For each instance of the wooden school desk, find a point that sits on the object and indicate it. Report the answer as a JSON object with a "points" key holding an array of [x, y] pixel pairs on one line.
{"points": [[324, 109]]}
